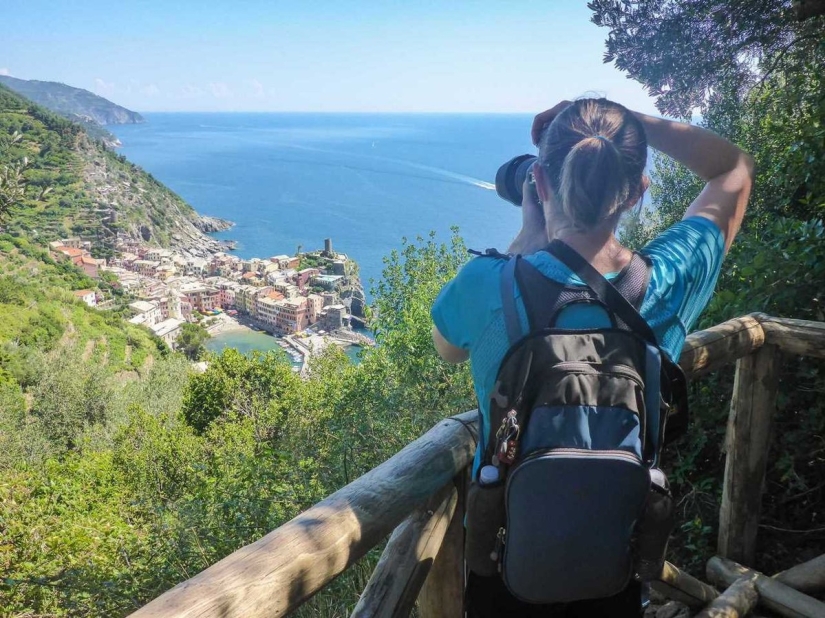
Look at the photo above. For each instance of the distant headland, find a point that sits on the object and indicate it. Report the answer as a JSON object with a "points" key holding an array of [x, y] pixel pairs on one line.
{"points": [[87, 108]]}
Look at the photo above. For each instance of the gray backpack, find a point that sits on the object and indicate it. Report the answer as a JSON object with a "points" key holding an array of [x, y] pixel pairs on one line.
{"points": [[577, 422]]}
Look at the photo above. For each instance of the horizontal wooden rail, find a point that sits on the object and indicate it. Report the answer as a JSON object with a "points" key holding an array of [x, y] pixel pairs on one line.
{"points": [[277, 573], [720, 345], [735, 602], [773, 594], [808, 577], [801, 337], [680, 586]]}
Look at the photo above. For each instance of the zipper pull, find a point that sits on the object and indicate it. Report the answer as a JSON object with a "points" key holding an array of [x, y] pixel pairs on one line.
{"points": [[496, 553]]}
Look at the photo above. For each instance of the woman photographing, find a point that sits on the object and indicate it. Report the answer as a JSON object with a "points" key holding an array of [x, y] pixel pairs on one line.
{"points": [[590, 171]]}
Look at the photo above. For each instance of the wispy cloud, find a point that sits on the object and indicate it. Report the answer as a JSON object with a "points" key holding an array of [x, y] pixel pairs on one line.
{"points": [[104, 88], [150, 90], [220, 90], [5, 71], [188, 91]]}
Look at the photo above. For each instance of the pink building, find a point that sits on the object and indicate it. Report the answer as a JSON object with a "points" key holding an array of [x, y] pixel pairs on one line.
{"points": [[89, 265], [304, 276], [292, 315]]}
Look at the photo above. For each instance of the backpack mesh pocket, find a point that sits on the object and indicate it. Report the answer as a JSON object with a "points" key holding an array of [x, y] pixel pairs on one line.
{"points": [[485, 517]]}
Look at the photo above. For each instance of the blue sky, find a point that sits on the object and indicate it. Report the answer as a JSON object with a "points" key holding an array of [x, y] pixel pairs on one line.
{"points": [[368, 56]]}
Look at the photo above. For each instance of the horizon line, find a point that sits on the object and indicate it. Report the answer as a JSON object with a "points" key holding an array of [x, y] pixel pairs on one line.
{"points": [[289, 111]]}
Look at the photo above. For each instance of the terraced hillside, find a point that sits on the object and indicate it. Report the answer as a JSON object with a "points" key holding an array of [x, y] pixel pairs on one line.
{"points": [[77, 187]]}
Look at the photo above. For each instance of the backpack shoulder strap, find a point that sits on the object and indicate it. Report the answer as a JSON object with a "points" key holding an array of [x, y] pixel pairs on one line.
{"points": [[605, 291], [508, 299], [543, 297]]}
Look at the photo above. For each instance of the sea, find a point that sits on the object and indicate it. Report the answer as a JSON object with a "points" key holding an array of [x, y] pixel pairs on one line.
{"points": [[366, 181]]}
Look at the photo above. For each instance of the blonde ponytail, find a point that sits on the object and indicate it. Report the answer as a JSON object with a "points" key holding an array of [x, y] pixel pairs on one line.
{"points": [[594, 153], [593, 184]]}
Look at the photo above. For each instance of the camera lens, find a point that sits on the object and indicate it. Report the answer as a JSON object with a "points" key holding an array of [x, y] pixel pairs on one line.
{"points": [[511, 176]]}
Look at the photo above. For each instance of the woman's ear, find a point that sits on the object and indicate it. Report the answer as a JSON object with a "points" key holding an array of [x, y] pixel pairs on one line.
{"points": [[542, 183], [636, 198]]}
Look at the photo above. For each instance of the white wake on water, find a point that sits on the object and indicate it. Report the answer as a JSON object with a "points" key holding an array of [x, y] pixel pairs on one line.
{"points": [[437, 171]]}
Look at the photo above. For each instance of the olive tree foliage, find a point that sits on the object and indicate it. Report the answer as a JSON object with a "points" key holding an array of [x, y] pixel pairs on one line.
{"points": [[260, 386], [689, 54], [753, 72], [12, 181], [191, 340], [411, 281]]}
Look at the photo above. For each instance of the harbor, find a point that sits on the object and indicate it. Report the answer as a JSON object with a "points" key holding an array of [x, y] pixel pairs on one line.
{"points": [[230, 332]]}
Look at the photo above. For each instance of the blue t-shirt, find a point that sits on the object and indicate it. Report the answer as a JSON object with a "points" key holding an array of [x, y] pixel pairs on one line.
{"points": [[686, 260]]}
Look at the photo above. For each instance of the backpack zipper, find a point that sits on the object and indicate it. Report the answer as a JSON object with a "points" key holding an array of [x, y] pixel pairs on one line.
{"points": [[572, 331], [624, 371], [497, 551], [580, 452]]}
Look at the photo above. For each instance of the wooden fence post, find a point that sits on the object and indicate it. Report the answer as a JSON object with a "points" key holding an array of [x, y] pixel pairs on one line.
{"points": [[442, 595], [747, 441], [774, 595], [679, 586], [409, 556], [735, 602]]}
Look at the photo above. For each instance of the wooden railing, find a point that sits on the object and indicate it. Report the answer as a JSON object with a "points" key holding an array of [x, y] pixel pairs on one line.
{"points": [[417, 496]]}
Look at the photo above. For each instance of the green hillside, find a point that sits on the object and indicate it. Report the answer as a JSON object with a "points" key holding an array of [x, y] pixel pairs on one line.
{"points": [[76, 187]]}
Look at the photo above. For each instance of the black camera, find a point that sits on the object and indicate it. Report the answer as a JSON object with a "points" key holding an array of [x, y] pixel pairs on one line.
{"points": [[511, 176]]}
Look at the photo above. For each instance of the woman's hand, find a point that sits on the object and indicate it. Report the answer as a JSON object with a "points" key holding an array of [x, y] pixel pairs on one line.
{"points": [[542, 120], [533, 235]]}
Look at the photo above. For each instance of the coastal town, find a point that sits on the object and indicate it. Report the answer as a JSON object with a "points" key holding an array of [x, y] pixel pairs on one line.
{"points": [[308, 300]]}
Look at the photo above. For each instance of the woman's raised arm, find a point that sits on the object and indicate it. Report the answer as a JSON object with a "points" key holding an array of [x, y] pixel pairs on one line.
{"points": [[727, 170]]}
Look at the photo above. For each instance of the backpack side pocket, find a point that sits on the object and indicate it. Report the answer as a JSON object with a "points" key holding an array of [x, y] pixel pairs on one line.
{"points": [[654, 528], [485, 517]]}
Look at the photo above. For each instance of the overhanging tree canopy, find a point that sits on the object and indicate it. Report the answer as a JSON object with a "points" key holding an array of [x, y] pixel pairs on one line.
{"points": [[687, 52]]}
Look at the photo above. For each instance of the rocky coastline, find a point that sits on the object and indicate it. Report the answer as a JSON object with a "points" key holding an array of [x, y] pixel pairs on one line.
{"points": [[209, 225]]}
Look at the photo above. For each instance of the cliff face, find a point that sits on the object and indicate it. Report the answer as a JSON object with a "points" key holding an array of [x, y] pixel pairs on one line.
{"points": [[72, 103], [79, 188], [133, 205]]}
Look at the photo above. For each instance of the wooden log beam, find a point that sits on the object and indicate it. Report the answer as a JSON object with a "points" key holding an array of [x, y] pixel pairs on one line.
{"points": [[735, 602], [407, 559], [276, 574], [720, 345], [746, 444], [442, 595], [808, 577], [679, 586], [774, 595], [801, 337]]}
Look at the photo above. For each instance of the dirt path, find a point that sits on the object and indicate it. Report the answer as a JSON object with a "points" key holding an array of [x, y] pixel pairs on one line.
{"points": [[68, 335], [87, 351]]}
